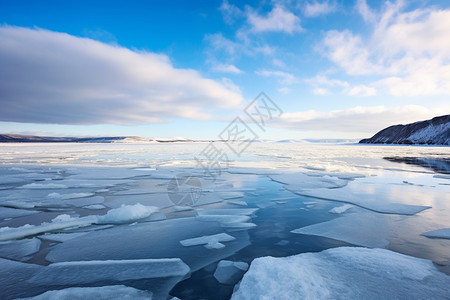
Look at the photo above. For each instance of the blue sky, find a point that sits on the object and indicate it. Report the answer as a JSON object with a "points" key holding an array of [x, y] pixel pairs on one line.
{"points": [[338, 69]]}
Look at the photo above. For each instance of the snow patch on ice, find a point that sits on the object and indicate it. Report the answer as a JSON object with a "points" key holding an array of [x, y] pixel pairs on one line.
{"points": [[209, 241], [343, 273], [340, 209]]}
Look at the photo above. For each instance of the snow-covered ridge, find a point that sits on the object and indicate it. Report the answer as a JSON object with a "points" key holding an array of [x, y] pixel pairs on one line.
{"points": [[433, 132]]}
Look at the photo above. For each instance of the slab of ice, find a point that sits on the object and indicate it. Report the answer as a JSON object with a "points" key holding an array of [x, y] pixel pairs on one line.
{"points": [[303, 181], [44, 186], [82, 272], [160, 200], [363, 229], [13, 278], [370, 201], [61, 237], [124, 214], [227, 211], [100, 293], [79, 202], [209, 241], [6, 212], [181, 208], [340, 209], [55, 195], [19, 250], [238, 202], [230, 272], [94, 206], [343, 273], [443, 233]]}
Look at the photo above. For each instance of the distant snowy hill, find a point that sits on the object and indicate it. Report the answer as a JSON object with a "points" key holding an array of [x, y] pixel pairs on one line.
{"points": [[433, 132]]}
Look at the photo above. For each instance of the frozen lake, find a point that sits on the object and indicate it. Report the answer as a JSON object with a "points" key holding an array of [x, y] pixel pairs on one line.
{"points": [[143, 220]]}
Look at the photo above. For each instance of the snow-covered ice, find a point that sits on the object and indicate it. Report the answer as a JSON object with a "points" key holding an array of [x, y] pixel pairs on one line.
{"points": [[343, 273]]}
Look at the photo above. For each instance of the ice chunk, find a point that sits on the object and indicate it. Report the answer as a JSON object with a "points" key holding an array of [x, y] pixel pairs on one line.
{"points": [[373, 202], [210, 241], [69, 196], [238, 202], [85, 201], [303, 181], [6, 212], [343, 273], [126, 214], [101, 293], [44, 186], [94, 206], [19, 250], [443, 233], [230, 272], [341, 209], [181, 208], [363, 229], [227, 211], [82, 272]]}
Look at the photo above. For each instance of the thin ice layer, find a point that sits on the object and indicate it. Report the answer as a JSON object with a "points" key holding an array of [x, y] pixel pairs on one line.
{"points": [[443, 233], [363, 229], [343, 273]]}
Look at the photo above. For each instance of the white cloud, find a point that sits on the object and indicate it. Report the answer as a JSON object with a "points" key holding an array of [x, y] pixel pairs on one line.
{"points": [[357, 119], [316, 8], [362, 90], [230, 12], [227, 68], [321, 91], [283, 77], [409, 51], [365, 11], [283, 90], [278, 19], [50, 77]]}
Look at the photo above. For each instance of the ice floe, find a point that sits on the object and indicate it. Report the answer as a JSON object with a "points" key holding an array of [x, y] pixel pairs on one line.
{"points": [[230, 272], [443, 233], [373, 202], [305, 181], [20, 249], [343, 273], [99, 293], [363, 229], [340, 209], [209, 241]]}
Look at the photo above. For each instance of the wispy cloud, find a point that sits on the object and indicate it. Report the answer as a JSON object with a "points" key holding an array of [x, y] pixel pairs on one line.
{"points": [[283, 77], [50, 77], [278, 19], [227, 68], [316, 8]]}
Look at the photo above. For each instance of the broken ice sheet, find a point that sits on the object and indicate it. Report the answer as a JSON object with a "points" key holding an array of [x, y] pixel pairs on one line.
{"points": [[378, 200], [149, 240], [124, 214], [343, 273], [6, 212], [304, 181]]}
